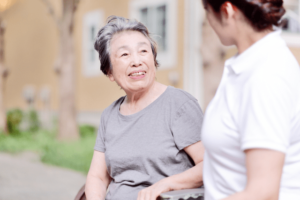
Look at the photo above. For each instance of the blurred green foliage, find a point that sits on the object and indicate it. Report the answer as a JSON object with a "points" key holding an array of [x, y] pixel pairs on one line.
{"points": [[14, 119], [75, 155], [87, 131], [16, 116], [33, 121]]}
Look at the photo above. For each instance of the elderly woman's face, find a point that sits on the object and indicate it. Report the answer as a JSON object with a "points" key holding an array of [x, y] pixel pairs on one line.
{"points": [[132, 61]]}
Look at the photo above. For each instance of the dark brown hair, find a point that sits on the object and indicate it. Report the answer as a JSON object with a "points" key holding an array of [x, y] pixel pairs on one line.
{"points": [[262, 14]]}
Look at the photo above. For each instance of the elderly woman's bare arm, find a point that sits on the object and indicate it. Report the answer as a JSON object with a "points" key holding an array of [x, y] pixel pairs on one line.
{"points": [[264, 169], [98, 178], [191, 178]]}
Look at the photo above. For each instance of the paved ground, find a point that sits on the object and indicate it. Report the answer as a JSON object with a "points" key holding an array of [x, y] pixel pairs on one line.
{"points": [[24, 177]]}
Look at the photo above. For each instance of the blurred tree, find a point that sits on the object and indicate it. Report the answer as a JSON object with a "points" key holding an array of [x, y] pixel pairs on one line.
{"points": [[3, 75], [213, 57], [4, 6], [65, 68]]}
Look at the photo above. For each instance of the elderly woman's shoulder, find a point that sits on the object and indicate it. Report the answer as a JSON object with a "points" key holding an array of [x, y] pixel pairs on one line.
{"points": [[180, 96], [113, 107]]}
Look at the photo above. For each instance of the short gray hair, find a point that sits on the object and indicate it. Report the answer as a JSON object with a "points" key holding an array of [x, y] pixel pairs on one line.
{"points": [[115, 25]]}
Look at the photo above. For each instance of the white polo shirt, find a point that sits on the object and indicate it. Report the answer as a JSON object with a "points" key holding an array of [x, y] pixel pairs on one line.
{"points": [[257, 105]]}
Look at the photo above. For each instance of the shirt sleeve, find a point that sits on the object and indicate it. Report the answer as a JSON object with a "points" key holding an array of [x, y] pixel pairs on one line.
{"points": [[187, 123], [265, 114], [100, 142]]}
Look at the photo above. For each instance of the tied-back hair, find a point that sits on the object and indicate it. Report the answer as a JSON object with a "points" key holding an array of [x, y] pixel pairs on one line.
{"points": [[262, 14], [116, 25]]}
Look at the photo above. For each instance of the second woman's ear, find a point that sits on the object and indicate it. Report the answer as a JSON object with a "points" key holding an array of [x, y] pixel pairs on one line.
{"points": [[228, 11]]}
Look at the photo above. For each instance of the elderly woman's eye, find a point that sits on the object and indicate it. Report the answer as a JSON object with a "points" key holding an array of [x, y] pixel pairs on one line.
{"points": [[124, 54], [144, 50]]}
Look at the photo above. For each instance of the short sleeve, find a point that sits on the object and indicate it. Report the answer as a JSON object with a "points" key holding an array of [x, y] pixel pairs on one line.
{"points": [[265, 114], [187, 123], [100, 144]]}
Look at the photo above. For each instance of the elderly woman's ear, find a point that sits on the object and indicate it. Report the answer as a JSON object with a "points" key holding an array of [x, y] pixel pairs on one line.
{"points": [[110, 76]]}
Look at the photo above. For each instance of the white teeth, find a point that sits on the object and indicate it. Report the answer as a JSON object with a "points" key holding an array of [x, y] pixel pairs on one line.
{"points": [[137, 74]]}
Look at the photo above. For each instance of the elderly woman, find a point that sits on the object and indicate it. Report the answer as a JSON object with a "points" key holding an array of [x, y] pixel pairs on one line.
{"points": [[251, 129], [149, 140]]}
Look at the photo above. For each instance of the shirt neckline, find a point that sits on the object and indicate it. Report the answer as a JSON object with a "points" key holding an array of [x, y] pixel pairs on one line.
{"points": [[245, 60], [144, 110]]}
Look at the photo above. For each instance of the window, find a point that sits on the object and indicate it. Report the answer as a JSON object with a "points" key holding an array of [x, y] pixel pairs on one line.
{"points": [[155, 19], [291, 28], [92, 22], [160, 18], [92, 38], [292, 16]]}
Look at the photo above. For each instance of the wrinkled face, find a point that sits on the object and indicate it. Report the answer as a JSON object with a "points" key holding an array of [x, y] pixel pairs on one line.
{"points": [[222, 26], [132, 61]]}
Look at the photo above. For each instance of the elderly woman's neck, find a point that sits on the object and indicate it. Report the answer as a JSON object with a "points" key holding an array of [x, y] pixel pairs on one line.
{"points": [[137, 101]]}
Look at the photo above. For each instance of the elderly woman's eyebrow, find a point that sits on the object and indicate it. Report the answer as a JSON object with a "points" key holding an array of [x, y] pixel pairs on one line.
{"points": [[123, 47], [126, 46], [142, 43]]}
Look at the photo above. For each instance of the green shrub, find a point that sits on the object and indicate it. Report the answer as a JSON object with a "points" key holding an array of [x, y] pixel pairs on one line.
{"points": [[75, 155], [87, 131], [14, 118], [33, 121]]}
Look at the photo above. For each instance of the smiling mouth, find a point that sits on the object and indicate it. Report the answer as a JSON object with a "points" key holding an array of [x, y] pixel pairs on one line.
{"points": [[137, 73]]}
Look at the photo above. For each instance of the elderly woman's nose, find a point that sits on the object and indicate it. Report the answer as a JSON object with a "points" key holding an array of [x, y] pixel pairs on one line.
{"points": [[135, 60]]}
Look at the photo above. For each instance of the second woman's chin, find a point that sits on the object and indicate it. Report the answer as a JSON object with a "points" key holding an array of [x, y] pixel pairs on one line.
{"points": [[226, 42]]}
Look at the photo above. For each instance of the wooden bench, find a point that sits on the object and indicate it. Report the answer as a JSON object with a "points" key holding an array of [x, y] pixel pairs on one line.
{"points": [[189, 194]]}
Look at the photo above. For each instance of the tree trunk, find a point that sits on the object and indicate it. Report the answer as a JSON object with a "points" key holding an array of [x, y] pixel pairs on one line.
{"points": [[2, 107], [67, 109], [3, 73], [65, 68]]}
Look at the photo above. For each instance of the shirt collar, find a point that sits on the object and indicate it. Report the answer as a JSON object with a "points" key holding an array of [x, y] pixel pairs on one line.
{"points": [[259, 50]]}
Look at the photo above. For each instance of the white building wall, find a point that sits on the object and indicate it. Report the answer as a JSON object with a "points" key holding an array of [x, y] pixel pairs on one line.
{"points": [[193, 73]]}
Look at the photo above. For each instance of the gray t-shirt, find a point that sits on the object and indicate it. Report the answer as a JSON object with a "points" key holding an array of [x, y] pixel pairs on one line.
{"points": [[145, 147]]}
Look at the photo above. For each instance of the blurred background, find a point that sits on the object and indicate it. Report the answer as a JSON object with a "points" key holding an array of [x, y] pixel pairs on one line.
{"points": [[52, 92]]}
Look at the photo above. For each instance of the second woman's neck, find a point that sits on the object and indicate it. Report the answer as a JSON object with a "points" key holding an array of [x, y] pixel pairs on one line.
{"points": [[247, 36]]}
